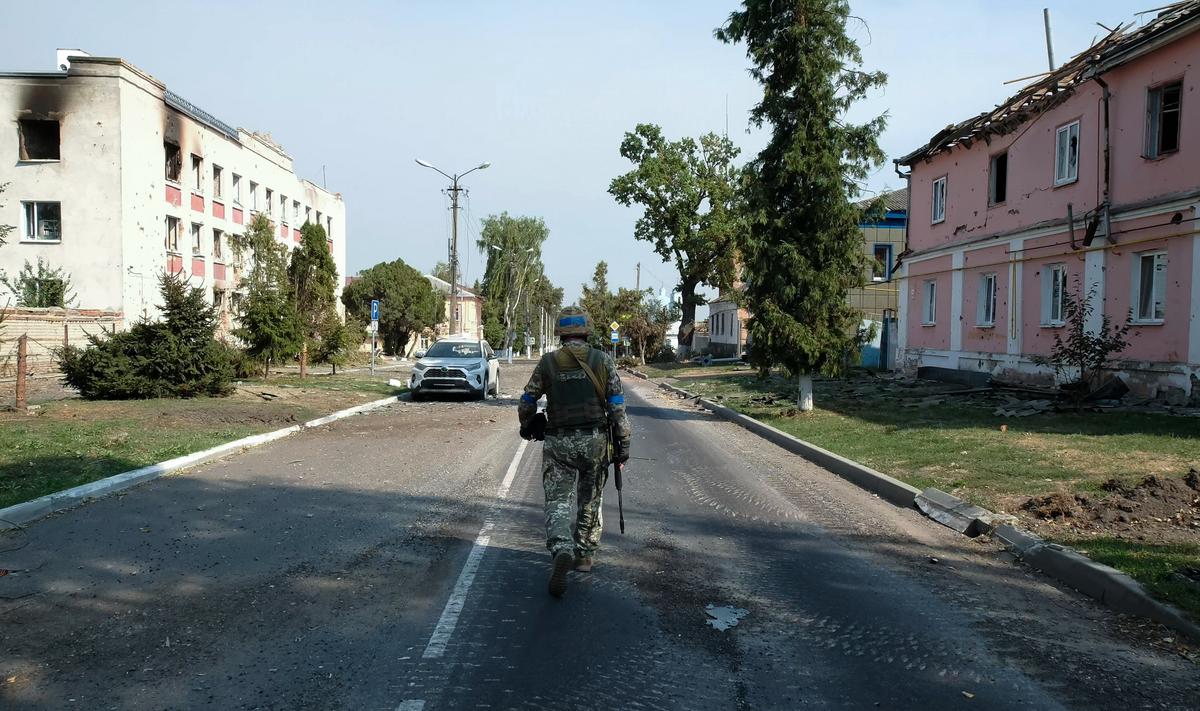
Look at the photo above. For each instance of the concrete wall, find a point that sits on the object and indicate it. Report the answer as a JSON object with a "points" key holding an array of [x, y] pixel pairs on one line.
{"points": [[49, 329]]}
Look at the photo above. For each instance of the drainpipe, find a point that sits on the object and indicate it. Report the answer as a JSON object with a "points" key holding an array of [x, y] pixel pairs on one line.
{"points": [[1107, 201]]}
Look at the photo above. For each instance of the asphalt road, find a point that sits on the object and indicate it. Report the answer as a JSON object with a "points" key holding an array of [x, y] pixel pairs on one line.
{"points": [[396, 561]]}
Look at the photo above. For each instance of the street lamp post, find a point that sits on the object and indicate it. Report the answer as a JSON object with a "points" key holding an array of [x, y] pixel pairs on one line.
{"points": [[454, 191]]}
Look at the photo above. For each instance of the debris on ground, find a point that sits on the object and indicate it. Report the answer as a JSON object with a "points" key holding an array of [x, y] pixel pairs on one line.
{"points": [[724, 617]]}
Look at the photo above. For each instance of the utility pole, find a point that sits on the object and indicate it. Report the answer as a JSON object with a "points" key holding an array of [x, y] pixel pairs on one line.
{"points": [[454, 191], [638, 281]]}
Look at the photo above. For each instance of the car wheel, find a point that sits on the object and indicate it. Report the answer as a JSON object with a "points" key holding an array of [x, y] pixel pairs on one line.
{"points": [[481, 394], [496, 388]]}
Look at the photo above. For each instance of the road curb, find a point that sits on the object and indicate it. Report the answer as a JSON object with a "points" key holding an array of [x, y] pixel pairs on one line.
{"points": [[1103, 583], [19, 515]]}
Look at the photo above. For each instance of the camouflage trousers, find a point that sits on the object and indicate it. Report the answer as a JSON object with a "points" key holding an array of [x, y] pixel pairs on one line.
{"points": [[574, 471]]}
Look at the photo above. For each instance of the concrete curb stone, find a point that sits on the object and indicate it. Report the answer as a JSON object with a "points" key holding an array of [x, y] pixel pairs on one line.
{"points": [[18, 515], [1105, 584]]}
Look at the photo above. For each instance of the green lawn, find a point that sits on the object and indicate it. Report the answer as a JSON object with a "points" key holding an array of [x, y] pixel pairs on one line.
{"points": [[71, 442], [957, 445]]}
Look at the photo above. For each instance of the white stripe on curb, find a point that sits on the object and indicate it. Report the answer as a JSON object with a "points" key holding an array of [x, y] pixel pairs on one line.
{"points": [[454, 606], [21, 514]]}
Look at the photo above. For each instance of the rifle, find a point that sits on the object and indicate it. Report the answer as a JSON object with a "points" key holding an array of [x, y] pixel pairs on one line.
{"points": [[617, 467]]}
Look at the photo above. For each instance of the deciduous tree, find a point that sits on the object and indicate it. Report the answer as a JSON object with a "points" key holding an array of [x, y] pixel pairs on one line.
{"points": [[312, 280], [803, 251], [407, 302], [40, 288], [268, 324], [692, 213], [513, 247]]}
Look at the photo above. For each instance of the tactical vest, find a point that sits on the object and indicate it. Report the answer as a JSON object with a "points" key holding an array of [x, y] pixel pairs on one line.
{"points": [[571, 397]]}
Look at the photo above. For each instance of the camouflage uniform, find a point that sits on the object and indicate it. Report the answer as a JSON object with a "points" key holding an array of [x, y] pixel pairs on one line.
{"points": [[575, 460]]}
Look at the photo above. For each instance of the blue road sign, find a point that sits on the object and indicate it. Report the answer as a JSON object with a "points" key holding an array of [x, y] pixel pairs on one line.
{"points": [[374, 309], [616, 337]]}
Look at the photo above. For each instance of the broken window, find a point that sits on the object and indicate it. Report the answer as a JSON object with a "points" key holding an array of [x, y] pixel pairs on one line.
{"points": [[172, 239], [881, 265], [939, 200], [329, 227], [295, 212], [1054, 285], [43, 221], [283, 208], [1150, 291], [929, 315], [197, 250], [1066, 154], [998, 179], [218, 236], [39, 139], [1162, 121], [197, 173], [216, 182], [174, 161], [237, 189], [253, 195], [268, 204], [986, 315]]}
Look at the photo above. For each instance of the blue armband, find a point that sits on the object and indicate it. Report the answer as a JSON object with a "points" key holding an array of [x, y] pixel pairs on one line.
{"points": [[616, 399], [528, 399]]}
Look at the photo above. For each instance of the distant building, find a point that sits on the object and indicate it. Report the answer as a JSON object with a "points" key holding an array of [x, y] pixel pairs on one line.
{"points": [[469, 314], [727, 327], [1087, 180], [884, 223], [117, 180]]}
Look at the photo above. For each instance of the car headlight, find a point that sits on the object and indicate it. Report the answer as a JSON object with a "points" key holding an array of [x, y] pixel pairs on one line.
{"points": [[475, 366], [419, 367]]}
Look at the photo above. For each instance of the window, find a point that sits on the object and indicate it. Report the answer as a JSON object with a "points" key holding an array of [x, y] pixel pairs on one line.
{"points": [[218, 236], [197, 250], [295, 213], [329, 227], [881, 265], [237, 189], [998, 179], [197, 172], [43, 221], [1162, 119], [1150, 286], [986, 312], [1066, 154], [268, 204], [216, 182], [929, 314], [39, 139], [253, 195], [172, 241], [307, 215], [174, 161], [283, 208], [1054, 285], [939, 200]]}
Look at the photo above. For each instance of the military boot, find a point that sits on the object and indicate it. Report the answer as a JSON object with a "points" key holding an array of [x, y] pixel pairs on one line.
{"points": [[558, 575], [583, 563]]}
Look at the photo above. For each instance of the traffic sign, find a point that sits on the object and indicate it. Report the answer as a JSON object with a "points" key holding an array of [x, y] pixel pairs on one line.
{"points": [[374, 309], [616, 337], [614, 326], [374, 327], [625, 342]]}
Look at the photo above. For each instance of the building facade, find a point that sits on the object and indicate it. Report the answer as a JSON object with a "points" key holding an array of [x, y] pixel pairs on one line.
{"points": [[1085, 183], [117, 180], [883, 228], [728, 334]]}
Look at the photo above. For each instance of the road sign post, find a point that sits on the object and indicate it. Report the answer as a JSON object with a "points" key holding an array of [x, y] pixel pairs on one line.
{"points": [[374, 330]]}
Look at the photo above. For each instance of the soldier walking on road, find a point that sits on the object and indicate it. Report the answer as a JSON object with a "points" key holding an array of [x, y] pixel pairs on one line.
{"points": [[584, 405]]}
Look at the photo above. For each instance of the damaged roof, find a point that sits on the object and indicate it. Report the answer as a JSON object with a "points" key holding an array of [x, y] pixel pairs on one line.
{"points": [[891, 201], [1121, 45]]}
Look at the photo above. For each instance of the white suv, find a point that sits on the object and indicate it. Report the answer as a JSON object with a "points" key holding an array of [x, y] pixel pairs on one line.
{"points": [[457, 364]]}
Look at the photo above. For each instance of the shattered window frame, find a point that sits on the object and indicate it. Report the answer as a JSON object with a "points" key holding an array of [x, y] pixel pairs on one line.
{"points": [[37, 227], [1066, 153], [173, 157], [986, 313], [171, 239], [1163, 113], [939, 200], [197, 234], [33, 133], [929, 304], [1150, 287]]}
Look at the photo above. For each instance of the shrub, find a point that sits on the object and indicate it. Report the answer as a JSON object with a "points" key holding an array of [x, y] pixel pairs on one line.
{"points": [[666, 354], [175, 357]]}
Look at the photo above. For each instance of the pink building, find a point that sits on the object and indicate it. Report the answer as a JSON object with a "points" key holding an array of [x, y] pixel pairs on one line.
{"points": [[1088, 179]]}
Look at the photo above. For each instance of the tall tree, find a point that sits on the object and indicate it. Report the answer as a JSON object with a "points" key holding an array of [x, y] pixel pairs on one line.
{"points": [[605, 307], [268, 324], [802, 251], [312, 281], [513, 247], [407, 302], [441, 270], [688, 190], [338, 341]]}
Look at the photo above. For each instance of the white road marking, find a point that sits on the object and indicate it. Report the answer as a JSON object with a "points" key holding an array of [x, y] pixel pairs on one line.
{"points": [[454, 606], [413, 705]]}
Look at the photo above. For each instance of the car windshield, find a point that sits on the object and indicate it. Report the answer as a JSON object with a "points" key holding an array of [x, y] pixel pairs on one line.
{"points": [[447, 349]]}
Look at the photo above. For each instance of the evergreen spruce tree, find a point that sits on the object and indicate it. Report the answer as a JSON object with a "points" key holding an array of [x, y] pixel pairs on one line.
{"points": [[267, 324], [803, 250], [312, 280]]}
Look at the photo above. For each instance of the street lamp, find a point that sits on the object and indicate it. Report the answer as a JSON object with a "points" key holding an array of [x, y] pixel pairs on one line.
{"points": [[454, 191]]}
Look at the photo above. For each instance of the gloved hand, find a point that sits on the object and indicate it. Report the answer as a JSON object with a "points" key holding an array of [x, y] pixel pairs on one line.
{"points": [[620, 452], [535, 428]]}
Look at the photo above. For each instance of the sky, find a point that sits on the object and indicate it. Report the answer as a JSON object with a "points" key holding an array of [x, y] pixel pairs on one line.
{"points": [[356, 90]]}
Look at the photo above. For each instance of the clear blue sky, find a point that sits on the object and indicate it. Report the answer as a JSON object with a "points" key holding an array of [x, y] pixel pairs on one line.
{"points": [[543, 90]]}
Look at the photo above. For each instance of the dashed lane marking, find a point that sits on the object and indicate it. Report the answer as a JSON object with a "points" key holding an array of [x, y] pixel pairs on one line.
{"points": [[411, 705], [454, 606]]}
